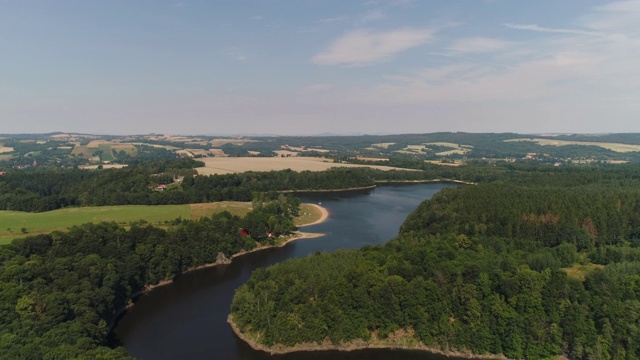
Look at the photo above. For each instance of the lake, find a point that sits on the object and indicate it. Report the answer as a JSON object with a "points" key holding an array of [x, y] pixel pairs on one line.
{"points": [[187, 319]]}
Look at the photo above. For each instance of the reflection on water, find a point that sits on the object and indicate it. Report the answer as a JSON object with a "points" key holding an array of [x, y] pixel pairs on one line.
{"points": [[187, 319]]}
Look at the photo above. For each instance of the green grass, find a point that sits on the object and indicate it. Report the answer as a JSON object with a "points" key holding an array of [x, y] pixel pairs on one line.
{"points": [[46, 222], [107, 155], [308, 215], [11, 222]]}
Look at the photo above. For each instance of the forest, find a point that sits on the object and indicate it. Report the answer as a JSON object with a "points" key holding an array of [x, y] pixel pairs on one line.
{"points": [[45, 189], [61, 292], [536, 264]]}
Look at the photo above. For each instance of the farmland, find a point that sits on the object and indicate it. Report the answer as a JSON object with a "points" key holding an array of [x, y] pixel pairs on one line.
{"points": [[238, 165], [617, 147]]}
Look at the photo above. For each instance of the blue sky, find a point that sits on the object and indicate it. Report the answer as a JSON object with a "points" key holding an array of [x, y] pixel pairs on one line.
{"points": [[309, 67]]}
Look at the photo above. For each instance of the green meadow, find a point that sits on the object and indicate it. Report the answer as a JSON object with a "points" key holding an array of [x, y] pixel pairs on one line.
{"points": [[12, 223]]}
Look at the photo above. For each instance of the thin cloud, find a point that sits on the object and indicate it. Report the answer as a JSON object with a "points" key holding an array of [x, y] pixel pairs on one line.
{"points": [[365, 47], [333, 19], [238, 55], [256, 17], [479, 45], [537, 28], [372, 15]]}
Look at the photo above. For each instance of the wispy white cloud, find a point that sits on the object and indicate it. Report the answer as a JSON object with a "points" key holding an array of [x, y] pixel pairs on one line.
{"points": [[534, 27], [333, 19], [596, 56], [479, 45], [238, 55], [256, 17], [365, 47], [372, 15]]}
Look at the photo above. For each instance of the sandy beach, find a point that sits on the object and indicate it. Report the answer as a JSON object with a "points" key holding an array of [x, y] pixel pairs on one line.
{"points": [[324, 215]]}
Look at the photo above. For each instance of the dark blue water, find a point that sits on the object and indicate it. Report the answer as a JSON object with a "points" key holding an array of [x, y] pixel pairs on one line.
{"points": [[187, 319]]}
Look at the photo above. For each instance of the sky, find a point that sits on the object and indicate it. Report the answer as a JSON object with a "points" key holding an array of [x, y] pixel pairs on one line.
{"points": [[306, 67]]}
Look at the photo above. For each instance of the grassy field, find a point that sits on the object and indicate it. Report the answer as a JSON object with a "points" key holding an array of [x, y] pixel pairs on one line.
{"points": [[241, 164], [579, 272], [11, 222], [308, 214], [621, 148]]}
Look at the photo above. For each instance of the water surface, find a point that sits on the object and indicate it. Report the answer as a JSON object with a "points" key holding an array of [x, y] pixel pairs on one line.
{"points": [[187, 319]]}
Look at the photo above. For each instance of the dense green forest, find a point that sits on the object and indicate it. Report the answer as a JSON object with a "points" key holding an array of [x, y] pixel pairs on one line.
{"points": [[47, 189], [59, 292], [538, 263]]}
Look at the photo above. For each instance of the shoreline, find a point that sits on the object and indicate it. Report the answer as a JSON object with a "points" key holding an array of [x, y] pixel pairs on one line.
{"points": [[426, 181], [224, 260], [404, 343], [368, 187]]}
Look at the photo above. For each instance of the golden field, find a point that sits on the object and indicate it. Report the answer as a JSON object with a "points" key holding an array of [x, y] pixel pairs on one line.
{"points": [[241, 164]]}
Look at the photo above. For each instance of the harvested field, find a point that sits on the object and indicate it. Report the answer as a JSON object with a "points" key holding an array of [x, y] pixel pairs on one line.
{"points": [[621, 148], [382, 145], [5, 149], [96, 143], [199, 152], [127, 147], [242, 164], [438, 162], [217, 153], [412, 149], [286, 153], [184, 153], [207, 209], [168, 147], [456, 148]]}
